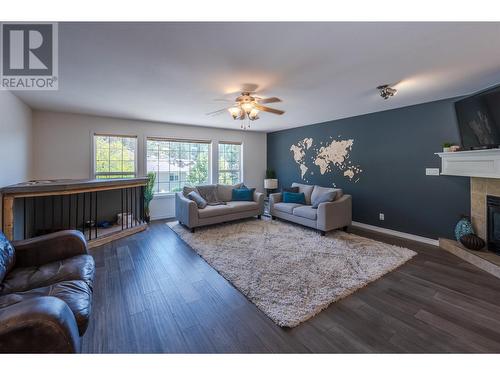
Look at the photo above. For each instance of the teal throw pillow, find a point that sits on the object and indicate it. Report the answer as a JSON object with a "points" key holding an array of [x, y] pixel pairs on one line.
{"points": [[242, 195], [299, 198]]}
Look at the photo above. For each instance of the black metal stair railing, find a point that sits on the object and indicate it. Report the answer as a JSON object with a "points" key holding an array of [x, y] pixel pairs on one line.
{"points": [[80, 211]]}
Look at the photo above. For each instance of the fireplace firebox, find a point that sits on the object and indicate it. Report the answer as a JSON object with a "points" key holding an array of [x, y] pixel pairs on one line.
{"points": [[493, 217]]}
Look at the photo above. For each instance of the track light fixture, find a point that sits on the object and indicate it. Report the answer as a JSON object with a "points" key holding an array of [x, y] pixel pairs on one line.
{"points": [[386, 91]]}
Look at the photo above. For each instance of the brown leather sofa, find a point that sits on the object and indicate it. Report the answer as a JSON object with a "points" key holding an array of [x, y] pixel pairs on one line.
{"points": [[45, 293]]}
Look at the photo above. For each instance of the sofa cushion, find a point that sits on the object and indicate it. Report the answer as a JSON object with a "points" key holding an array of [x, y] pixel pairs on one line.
{"points": [[305, 211], [294, 198], [318, 190], [80, 267], [306, 189], [76, 293], [229, 208], [198, 199], [323, 198], [244, 205], [7, 256], [224, 192], [286, 207]]}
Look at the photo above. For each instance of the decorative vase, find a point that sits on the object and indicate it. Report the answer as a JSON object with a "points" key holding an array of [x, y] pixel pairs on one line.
{"points": [[446, 149], [463, 227], [472, 242]]}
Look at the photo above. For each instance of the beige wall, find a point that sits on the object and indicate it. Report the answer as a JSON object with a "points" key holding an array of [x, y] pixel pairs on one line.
{"points": [[63, 147]]}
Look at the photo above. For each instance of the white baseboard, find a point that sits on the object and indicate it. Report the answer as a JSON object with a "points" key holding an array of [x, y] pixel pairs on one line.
{"points": [[396, 233], [161, 217]]}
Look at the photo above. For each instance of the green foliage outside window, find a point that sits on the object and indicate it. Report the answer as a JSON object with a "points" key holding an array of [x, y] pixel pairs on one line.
{"points": [[198, 174], [229, 163], [114, 156]]}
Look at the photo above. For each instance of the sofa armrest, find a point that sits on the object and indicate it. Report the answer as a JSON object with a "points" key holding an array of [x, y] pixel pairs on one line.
{"points": [[38, 325], [336, 214], [186, 211], [49, 248], [259, 198], [275, 198]]}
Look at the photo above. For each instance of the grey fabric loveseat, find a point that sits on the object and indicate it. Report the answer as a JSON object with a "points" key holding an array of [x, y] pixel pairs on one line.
{"points": [[189, 215], [328, 216]]}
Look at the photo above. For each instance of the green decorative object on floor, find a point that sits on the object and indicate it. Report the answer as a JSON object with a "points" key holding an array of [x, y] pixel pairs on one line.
{"points": [[149, 195], [463, 227]]}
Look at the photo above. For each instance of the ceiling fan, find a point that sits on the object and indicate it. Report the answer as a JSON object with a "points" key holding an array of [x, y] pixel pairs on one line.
{"points": [[247, 107]]}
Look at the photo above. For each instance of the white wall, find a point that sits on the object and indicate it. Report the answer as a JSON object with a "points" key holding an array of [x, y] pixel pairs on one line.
{"points": [[63, 147], [15, 141]]}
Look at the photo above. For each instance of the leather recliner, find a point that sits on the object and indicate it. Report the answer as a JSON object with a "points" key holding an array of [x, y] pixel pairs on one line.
{"points": [[45, 293]]}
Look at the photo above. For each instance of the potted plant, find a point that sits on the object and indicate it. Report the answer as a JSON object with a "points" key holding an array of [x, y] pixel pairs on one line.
{"points": [[447, 146], [270, 182], [148, 195]]}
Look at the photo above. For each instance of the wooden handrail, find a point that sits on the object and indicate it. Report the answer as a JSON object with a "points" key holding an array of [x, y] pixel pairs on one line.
{"points": [[57, 187]]}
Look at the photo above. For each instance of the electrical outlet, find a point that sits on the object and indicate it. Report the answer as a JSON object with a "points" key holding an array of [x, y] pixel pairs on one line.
{"points": [[432, 171], [381, 216]]}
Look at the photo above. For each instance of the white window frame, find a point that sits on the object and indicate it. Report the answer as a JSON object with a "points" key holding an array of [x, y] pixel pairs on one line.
{"points": [[94, 149], [185, 140], [218, 158]]}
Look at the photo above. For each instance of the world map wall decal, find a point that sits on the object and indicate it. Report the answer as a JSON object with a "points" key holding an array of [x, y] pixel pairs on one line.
{"points": [[327, 156]]}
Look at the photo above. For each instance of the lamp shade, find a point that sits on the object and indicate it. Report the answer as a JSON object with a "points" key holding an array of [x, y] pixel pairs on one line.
{"points": [[270, 183]]}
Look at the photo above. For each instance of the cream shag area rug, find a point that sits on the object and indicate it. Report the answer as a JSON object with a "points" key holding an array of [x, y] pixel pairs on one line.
{"points": [[289, 272]]}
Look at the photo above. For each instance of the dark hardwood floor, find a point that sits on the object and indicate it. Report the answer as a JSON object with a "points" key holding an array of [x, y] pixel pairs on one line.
{"points": [[154, 294]]}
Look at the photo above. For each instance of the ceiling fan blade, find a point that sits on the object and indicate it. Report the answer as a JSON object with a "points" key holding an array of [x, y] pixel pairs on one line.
{"points": [[223, 100], [218, 112], [268, 109], [269, 100]]}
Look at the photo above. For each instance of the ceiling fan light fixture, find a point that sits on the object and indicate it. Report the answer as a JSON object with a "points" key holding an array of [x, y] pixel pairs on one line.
{"points": [[254, 114], [386, 91], [247, 107], [235, 112]]}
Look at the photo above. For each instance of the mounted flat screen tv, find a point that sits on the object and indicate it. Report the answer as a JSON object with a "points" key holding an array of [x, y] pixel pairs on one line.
{"points": [[479, 120]]}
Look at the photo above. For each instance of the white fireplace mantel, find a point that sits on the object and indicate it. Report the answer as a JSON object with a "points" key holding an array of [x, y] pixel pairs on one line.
{"points": [[476, 163]]}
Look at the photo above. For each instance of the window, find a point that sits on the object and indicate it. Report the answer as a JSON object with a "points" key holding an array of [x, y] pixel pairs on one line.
{"points": [[178, 163], [114, 156], [229, 163]]}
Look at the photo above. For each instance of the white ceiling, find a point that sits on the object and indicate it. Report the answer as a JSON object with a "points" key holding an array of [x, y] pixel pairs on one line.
{"points": [[172, 72]]}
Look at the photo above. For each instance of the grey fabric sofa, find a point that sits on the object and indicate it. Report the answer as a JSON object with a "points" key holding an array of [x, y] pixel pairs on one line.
{"points": [[189, 215], [328, 216]]}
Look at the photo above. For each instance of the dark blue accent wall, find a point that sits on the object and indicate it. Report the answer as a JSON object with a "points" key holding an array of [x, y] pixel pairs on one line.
{"points": [[393, 148]]}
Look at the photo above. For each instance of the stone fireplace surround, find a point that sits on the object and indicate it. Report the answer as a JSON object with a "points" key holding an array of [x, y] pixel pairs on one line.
{"points": [[486, 260], [483, 168], [480, 188]]}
